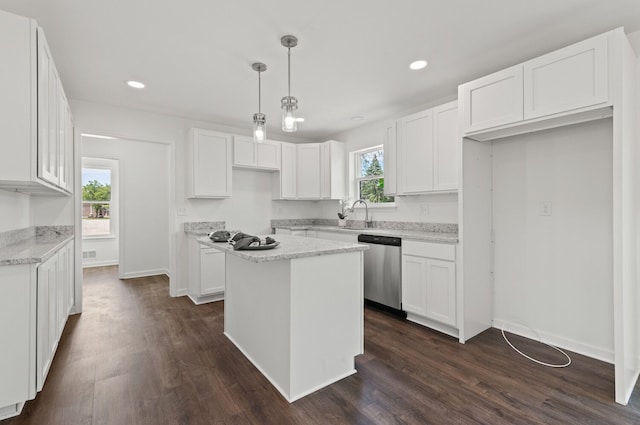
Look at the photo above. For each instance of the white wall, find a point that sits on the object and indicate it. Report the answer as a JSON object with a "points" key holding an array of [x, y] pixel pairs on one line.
{"points": [[555, 273], [144, 202], [432, 208], [14, 211]]}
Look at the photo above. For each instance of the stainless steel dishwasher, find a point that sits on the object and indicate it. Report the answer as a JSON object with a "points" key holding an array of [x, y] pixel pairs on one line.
{"points": [[382, 272]]}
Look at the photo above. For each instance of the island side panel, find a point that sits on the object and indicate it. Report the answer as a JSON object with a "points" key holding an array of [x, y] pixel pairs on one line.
{"points": [[326, 320], [256, 316]]}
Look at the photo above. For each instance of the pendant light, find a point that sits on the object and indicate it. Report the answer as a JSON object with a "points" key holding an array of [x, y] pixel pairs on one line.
{"points": [[259, 119], [289, 103]]}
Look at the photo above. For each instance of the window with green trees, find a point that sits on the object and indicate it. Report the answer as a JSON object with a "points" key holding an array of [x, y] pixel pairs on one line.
{"points": [[96, 202], [370, 175]]}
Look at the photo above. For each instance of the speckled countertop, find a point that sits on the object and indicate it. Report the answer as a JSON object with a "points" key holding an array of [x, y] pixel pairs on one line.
{"points": [[440, 237], [290, 247], [40, 244]]}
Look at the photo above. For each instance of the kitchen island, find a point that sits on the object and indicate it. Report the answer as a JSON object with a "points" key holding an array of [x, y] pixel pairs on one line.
{"points": [[296, 311]]}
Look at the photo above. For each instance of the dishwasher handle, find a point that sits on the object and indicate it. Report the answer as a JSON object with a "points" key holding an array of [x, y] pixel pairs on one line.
{"points": [[380, 240]]}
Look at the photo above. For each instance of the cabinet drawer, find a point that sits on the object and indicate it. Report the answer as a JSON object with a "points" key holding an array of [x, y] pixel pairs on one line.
{"points": [[429, 250]]}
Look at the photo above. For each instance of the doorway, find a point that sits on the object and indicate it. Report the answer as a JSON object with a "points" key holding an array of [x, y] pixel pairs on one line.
{"points": [[100, 212]]}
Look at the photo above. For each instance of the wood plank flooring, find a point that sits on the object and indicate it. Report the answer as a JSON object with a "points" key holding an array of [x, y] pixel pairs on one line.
{"points": [[137, 356]]}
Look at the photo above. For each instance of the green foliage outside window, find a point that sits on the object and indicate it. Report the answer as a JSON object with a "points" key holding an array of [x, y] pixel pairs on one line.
{"points": [[96, 191], [372, 190]]}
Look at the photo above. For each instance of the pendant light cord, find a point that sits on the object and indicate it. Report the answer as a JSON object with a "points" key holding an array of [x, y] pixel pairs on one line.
{"points": [[289, 69], [259, 90]]}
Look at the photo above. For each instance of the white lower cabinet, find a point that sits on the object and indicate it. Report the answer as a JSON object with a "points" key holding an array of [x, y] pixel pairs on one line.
{"points": [[54, 283], [35, 303], [206, 273], [18, 331], [429, 285]]}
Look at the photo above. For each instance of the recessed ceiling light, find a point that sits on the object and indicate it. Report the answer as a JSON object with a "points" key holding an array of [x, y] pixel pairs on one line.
{"points": [[300, 119], [415, 65], [357, 118], [135, 84]]}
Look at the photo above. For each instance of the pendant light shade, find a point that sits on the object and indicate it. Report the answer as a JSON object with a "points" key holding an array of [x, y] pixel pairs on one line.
{"points": [[259, 119], [289, 103]]}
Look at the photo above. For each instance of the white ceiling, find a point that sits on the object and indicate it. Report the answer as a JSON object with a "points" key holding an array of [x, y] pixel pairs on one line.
{"points": [[352, 58]]}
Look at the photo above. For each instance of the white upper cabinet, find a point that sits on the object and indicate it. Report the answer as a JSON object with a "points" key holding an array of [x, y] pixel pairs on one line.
{"points": [[390, 159], [249, 154], [564, 87], [446, 139], [208, 161], [284, 182], [493, 100], [415, 146], [35, 157], [332, 170], [311, 171], [308, 171], [571, 78], [427, 151]]}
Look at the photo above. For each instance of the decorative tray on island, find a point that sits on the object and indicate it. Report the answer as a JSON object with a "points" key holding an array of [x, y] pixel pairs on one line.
{"points": [[259, 247]]}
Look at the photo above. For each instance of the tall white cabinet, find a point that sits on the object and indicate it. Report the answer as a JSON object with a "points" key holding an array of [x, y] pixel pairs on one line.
{"points": [[37, 126], [592, 79]]}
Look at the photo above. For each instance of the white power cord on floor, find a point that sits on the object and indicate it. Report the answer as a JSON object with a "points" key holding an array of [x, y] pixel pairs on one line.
{"points": [[540, 341]]}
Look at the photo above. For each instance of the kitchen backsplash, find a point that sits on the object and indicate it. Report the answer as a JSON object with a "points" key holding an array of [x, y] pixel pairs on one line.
{"points": [[396, 225]]}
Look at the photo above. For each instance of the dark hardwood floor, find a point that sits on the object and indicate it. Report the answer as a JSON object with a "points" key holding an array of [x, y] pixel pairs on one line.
{"points": [[137, 356]]}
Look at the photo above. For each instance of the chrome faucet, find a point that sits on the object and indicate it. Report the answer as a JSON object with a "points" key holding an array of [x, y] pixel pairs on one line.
{"points": [[367, 223]]}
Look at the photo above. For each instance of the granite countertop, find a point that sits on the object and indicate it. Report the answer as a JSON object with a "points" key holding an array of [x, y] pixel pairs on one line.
{"points": [[290, 247], [35, 249], [440, 237]]}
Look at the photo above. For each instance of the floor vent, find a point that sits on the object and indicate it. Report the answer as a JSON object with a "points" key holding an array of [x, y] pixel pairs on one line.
{"points": [[88, 254]]}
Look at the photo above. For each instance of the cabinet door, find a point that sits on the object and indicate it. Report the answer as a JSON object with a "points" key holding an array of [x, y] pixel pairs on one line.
{"points": [[492, 101], [325, 170], [61, 291], [390, 160], [63, 148], [570, 78], [308, 166], [70, 277], [446, 139], [69, 150], [210, 157], [414, 284], [415, 146], [288, 172], [212, 271], [47, 114], [47, 323], [441, 291], [244, 152], [268, 154]]}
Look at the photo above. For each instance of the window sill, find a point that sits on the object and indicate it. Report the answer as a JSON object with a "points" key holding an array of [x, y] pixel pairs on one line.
{"points": [[381, 205]]}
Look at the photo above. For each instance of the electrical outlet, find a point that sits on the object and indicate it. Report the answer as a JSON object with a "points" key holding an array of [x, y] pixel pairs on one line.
{"points": [[182, 211], [545, 208], [424, 209]]}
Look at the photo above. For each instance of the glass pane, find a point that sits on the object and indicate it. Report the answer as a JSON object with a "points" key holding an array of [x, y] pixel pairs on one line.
{"points": [[371, 163], [372, 191], [96, 219], [96, 184]]}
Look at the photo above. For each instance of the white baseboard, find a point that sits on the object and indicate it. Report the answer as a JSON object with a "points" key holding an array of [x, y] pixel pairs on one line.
{"points": [[588, 350], [88, 264], [182, 292], [145, 273]]}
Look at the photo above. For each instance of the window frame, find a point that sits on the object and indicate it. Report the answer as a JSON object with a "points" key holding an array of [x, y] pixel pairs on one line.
{"points": [[356, 179]]}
